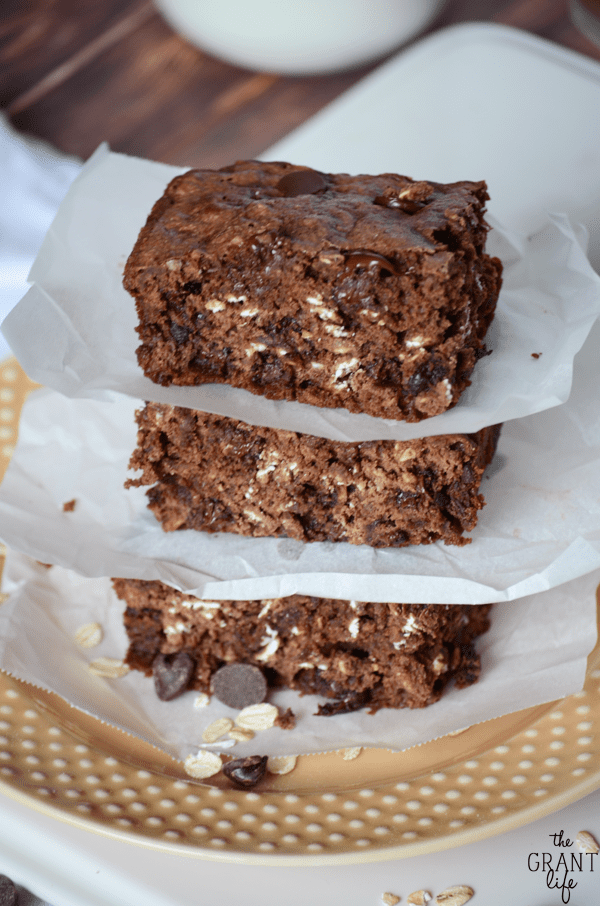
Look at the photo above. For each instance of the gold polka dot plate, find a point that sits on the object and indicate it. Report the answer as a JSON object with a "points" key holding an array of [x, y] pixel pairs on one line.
{"points": [[330, 808]]}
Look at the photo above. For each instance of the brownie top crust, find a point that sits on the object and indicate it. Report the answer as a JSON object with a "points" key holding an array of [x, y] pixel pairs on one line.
{"points": [[370, 293], [316, 211]]}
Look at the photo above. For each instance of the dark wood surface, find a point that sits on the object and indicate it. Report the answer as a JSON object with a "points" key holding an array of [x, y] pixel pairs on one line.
{"points": [[79, 72]]}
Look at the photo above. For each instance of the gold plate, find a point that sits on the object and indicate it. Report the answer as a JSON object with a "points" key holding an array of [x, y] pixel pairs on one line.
{"points": [[381, 805]]}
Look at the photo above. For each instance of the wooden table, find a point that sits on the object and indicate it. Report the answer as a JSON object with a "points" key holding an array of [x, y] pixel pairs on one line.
{"points": [[79, 72]]}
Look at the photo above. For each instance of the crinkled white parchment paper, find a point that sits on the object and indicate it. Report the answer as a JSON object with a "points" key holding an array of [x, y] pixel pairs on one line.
{"points": [[540, 527], [534, 652], [74, 330]]}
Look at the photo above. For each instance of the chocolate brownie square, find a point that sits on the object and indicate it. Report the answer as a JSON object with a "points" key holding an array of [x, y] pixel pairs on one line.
{"points": [[217, 474], [354, 654], [368, 293]]}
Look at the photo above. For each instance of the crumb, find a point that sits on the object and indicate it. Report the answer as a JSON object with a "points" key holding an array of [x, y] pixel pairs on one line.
{"points": [[390, 899], [45, 565], [535, 355], [286, 720], [69, 506]]}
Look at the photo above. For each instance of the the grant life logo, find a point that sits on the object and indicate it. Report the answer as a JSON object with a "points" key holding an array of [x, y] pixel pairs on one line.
{"points": [[560, 868]]}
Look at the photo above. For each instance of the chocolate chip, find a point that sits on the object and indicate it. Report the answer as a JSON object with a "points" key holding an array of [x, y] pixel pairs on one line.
{"points": [[179, 333], [344, 706], [365, 259], [301, 182], [239, 685], [8, 892], [246, 772], [171, 674]]}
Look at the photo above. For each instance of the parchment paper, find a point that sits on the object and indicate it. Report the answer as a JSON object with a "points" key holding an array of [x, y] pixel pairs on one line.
{"points": [[540, 527], [74, 331], [534, 652]]}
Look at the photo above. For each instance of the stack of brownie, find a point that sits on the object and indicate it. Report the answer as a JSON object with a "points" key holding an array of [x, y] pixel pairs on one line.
{"points": [[371, 294]]}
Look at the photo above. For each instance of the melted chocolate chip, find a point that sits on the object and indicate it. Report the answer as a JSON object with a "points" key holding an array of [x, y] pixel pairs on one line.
{"points": [[365, 259], [179, 333], [171, 675], [426, 376], [246, 772], [409, 200], [392, 201], [239, 685], [344, 706], [469, 670], [301, 182], [8, 892], [407, 498]]}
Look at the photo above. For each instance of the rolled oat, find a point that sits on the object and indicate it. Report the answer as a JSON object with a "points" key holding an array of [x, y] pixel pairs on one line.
{"points": [[109, 667], [218, 728], [281, 764], [203, 765], [390, 899], [257, 717], [586, 843], [241, 735], [418, 898], [89, 635], [351, 753], [454, 896]]}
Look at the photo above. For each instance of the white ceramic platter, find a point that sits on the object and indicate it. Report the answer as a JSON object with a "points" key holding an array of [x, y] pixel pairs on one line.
{"points": [[473, 102]]}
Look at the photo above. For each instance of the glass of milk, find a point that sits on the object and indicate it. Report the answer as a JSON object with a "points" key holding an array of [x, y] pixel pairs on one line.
{"points": [[299, 36]]}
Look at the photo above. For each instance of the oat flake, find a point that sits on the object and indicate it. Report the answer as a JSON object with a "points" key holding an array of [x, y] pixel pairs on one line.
{"points": [[586, 843], [352, 753], [218, 728], [418, 898], [240, 735], [202, 765], [390, 899], [109, 667], [257, 717], [281, 764], [454, 896], [89, 635]]}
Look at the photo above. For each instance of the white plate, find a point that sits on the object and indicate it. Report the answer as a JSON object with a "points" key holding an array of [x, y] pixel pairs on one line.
{"points": [[473, 102]]}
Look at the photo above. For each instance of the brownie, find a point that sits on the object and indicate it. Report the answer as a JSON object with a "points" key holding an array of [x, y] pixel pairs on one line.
{"points": [[368, 293], [354, 654], [217, 474]]}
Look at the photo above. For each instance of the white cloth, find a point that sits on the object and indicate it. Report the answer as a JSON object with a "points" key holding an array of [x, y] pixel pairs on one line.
{"points": [[35, 178]]}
